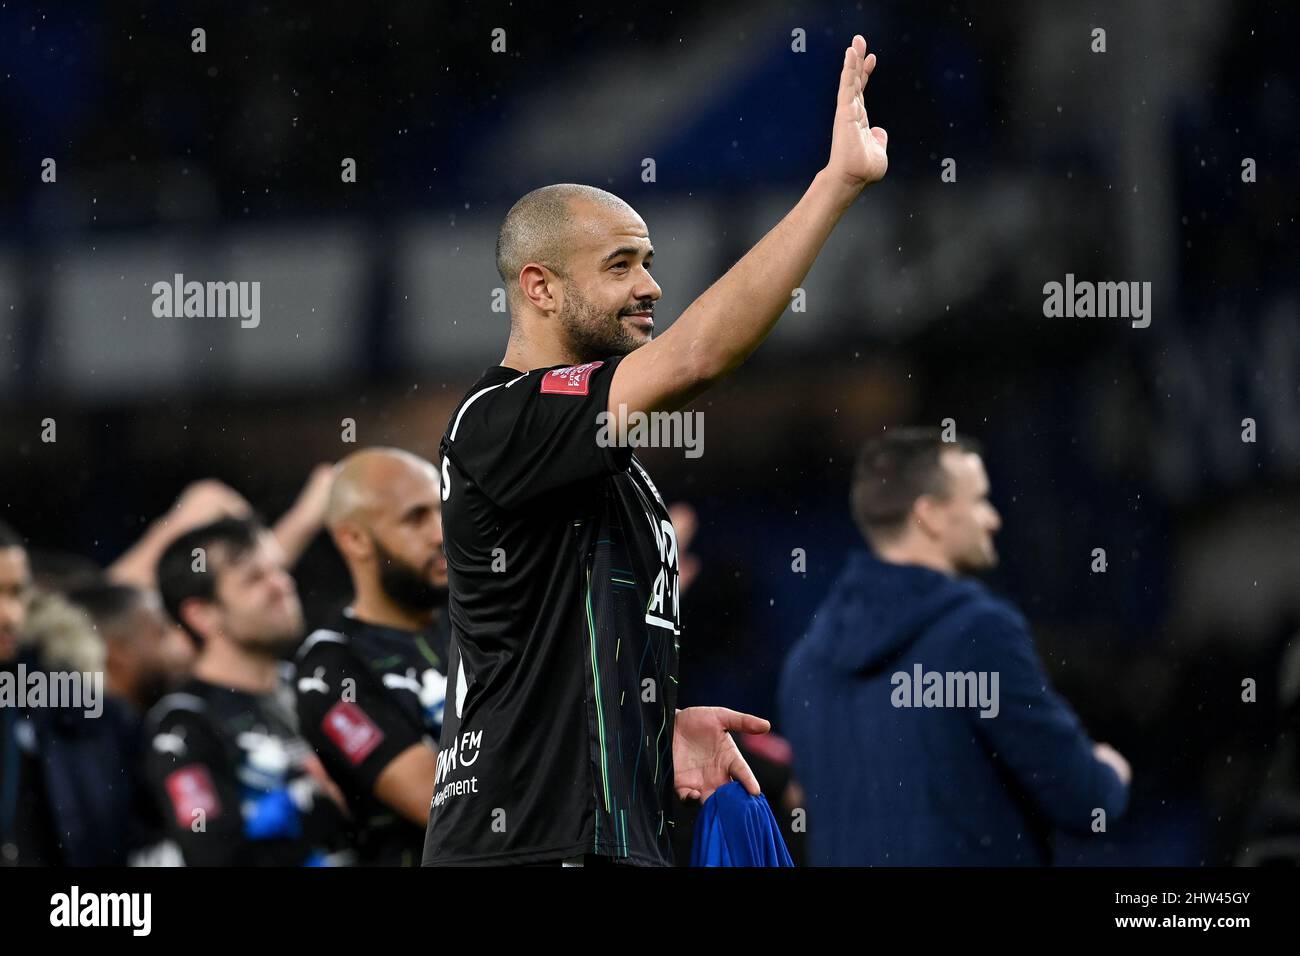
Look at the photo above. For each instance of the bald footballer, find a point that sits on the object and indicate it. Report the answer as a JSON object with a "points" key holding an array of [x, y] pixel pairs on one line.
{"points": [[561, 742], [372, 685]]}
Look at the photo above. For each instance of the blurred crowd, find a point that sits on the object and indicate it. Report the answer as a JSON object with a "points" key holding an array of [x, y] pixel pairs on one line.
{"points": [[209, 722], [231, 731]]}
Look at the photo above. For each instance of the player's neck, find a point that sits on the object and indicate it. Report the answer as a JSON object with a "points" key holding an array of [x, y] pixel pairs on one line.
{"points": [[923, 557], [225, 666], [527, 353]]}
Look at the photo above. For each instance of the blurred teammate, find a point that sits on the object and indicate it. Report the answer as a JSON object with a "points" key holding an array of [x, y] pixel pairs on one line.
{"points": [[983, 777], [371, 688], [146, 655], [562, 741], [225, 762]]}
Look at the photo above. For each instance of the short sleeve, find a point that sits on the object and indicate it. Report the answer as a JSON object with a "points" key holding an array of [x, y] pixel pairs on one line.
{"points": [[536, 433], [193, 782], [348, 717]]}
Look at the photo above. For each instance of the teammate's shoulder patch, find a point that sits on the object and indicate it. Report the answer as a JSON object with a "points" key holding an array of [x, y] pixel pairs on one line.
{"points": [[352, 731], [574, 380], [189, 789]]}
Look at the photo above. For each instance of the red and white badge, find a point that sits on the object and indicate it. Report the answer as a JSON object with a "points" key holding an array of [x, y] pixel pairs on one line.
{"points": [[191, 788], [352, 731], [574, 380]]}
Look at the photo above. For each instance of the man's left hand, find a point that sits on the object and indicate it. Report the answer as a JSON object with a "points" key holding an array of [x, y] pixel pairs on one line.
{"points": [[705, 757]]}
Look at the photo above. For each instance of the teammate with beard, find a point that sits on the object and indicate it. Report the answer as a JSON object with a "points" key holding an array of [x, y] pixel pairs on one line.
{"points": [[371, 687], [562, 742], [225, 763]]}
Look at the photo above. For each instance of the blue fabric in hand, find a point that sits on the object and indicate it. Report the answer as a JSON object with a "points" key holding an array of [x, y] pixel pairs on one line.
{"points": [[737, 829]]}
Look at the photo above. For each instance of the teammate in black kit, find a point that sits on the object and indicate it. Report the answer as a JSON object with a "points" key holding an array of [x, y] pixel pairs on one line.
{"points": [[371, 687], [561, 738], [227, 767]]}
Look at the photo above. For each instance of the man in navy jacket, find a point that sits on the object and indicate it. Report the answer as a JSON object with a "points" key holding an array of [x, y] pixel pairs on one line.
{"points": [[925, 731], [68, 793]]}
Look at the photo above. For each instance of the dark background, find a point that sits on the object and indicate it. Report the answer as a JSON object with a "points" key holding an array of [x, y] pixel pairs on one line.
{"points": [[927, 303]]}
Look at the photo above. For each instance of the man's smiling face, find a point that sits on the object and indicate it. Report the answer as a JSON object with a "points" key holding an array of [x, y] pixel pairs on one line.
{"points": [[609, 295]]}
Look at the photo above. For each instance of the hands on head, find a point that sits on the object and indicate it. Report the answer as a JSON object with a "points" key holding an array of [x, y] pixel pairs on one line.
{"points": [[208, 500]]}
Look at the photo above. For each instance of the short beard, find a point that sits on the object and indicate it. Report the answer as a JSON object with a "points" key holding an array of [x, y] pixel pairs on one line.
{"points": [[405, 585], [590, 333]]}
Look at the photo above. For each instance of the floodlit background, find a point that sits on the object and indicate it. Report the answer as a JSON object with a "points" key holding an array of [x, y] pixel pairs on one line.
{"points": [[376, 302]]}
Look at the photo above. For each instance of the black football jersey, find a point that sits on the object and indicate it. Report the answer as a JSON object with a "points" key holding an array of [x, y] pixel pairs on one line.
{"points": [[235, 782], [366, 693], [562, 559]]}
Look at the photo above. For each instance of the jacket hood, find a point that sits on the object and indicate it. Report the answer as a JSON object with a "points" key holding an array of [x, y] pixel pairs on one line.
{"points": [[876, 609]]}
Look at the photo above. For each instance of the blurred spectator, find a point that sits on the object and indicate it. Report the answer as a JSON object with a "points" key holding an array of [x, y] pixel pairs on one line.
{"points": [[982, 778], [145, 653], [67, 790]]}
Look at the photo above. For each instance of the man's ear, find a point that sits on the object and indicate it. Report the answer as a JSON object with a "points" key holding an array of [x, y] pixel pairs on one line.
{"points": [[537, 285], [927, 515], [200, 615], [352, 541]]}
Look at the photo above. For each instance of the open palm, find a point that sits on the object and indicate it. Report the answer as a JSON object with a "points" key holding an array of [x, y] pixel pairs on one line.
{"points": [[858, 150], [705, 757]]}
